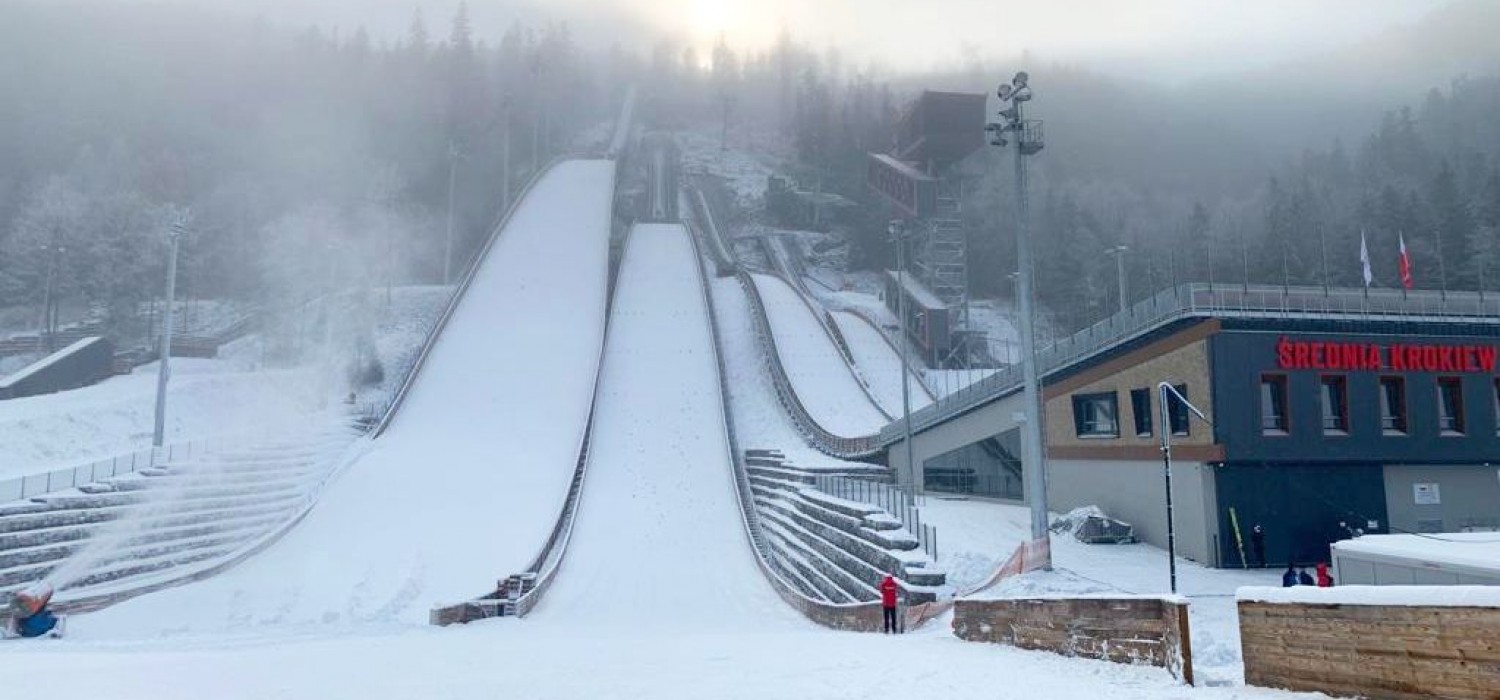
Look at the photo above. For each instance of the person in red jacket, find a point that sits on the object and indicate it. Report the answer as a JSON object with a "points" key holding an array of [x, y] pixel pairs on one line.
{"points": [[888, 590], [1325, 580]]}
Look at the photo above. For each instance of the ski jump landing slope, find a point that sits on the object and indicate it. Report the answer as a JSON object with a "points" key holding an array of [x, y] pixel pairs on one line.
{"points": [[823, 382], [880, 363], [659, 541], [466, 483]]}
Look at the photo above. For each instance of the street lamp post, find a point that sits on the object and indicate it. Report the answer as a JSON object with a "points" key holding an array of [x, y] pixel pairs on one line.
{"points": [[1168, 393], [452, 185], [163, 371], [1119, 254], [897, 231], [1027, 135], [48, 330]]}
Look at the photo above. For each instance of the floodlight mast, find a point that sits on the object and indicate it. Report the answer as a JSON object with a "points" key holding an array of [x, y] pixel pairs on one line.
{"points": [[1032, 451]]}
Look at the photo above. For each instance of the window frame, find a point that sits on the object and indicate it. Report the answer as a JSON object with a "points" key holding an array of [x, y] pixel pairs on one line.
{"points": [[1340, 426], [1459, 425], [1401, 420], [1176, 411], [1281, 382], [1080, 416], [1145, 421]]}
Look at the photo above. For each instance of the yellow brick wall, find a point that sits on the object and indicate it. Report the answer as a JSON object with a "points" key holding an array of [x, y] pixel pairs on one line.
{"points": [[1185, 365]]}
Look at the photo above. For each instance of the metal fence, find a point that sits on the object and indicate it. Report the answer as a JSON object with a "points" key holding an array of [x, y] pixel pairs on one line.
{"points": [[901, 503], [23, 487]]}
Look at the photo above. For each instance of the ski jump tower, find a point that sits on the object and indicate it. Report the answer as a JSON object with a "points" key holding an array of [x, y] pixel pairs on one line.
{"points": [[919, 180]]}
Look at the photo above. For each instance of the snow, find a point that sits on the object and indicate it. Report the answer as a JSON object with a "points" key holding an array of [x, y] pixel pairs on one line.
{"points": [[1404, 596], [1480, 550], [116, 416], [660, 488], [823, 382], [976, 536], [744, 173], [880, 363], [465, 484]]}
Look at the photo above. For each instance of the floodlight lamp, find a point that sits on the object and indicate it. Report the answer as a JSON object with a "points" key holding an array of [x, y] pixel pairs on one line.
{"points": [[1003, 92], [1008, 114], [1021, 95], [1020, 80]]}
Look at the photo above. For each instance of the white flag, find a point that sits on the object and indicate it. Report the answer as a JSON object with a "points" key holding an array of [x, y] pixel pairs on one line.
{"points": [[1364, 258]]}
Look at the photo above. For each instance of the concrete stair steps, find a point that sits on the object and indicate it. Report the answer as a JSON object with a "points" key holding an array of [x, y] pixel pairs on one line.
{"points": [[54, 518], [852, 563], [852, 509], [783, 473], [170, 516], [21, 508], [852, 586], [143, 567], [794, 577], [137, 496], [873, 554], [206, 480], [48, 551], [761, 484], [806, 574], [885, 538]]}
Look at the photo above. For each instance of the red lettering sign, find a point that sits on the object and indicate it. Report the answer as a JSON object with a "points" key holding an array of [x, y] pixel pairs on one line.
{"points": [[1322, 355]]}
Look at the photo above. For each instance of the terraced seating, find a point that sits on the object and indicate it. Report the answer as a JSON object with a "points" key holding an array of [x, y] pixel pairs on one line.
{"points": [[830, 548], [165, 522]]}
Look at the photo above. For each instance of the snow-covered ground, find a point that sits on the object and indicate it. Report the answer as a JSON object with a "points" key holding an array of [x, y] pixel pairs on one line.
{"points": [[976, 536], [204, 398], [879, 363], [823, 382], [465, 484], [659, 599]]}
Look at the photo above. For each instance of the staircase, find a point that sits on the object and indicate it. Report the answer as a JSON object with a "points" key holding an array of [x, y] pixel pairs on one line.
{"points": [[830, 548]]}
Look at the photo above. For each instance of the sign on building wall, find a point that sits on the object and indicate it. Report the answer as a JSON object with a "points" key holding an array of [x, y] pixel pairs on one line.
{"points": [[1426, 494], [1397, 357]]}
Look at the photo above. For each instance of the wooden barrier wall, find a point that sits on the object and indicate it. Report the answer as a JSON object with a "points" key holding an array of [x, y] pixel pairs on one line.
{"points": [[1149, 631], [1382, 652]]}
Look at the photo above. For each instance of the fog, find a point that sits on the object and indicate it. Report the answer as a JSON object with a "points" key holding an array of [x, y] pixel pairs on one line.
{"points": [[302, 131]]}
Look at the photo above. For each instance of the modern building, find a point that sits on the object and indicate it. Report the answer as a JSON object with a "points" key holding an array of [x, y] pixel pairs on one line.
{"points": [[1328, 414]]}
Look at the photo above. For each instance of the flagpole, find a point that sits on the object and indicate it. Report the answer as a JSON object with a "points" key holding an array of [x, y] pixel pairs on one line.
{"points": [[1323, 249], [1442, 268]]}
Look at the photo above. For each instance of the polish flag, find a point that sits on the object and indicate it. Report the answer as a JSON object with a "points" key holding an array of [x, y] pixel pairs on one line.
{"points": [[1405, 264]]}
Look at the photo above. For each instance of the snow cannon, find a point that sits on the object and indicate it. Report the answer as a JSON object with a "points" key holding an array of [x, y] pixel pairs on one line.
{"points": [[30, 600]]}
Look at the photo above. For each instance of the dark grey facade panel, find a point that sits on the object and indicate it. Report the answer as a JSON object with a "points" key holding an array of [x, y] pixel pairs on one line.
{"points": [[1240, 358]]}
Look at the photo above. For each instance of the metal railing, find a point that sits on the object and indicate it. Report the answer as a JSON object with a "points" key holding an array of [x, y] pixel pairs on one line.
{"points": [[1188, 301], [41, 483], [900, 503]]}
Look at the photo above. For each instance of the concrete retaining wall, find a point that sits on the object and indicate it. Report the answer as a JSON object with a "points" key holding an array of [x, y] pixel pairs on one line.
{"points": [[1147, 631], [1382, 652]]}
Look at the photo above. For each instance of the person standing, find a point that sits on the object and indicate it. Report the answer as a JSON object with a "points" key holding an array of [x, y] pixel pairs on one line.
{"points": [[1303, 578], [1289, 577], [1325, 579], [888, 589], [1258, 545]]}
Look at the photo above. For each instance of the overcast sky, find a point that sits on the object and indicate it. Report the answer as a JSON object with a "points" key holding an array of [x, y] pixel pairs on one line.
{"points": [[1158, 40]]}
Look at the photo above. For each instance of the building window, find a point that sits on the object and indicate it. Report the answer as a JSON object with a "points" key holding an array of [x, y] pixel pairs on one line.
{"points": [[1393, 405], [1096, 415], [1140, 405], [1177, 414], [1335, 391], [1273, 419], [1450, 406]]}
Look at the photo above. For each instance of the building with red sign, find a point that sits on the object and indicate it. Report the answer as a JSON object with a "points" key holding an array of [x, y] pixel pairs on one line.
{"points": [[1327, 415]]}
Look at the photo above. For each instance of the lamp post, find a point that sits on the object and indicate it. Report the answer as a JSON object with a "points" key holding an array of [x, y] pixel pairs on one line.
{"points": [[1028, 141], [48, 331], [452, 185], [1119, 254], [1168, 393], [898, 235], [163, 371]]}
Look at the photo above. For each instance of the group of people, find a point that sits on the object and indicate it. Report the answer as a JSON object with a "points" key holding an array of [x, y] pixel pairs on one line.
{"points": [[1294, 576]]}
